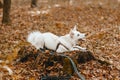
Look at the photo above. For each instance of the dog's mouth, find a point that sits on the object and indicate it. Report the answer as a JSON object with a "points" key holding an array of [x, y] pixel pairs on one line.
{"points": [[82, 39]]}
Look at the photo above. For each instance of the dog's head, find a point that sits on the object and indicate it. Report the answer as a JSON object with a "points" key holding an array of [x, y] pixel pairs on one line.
{"points": [[76, 35]]}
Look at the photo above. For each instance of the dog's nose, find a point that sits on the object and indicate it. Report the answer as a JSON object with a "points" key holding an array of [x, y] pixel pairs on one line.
{"points": [[83, 34], [86, 34]]}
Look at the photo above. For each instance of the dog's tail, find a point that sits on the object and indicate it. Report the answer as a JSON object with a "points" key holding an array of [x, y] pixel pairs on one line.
{"points": [[36, 39]]}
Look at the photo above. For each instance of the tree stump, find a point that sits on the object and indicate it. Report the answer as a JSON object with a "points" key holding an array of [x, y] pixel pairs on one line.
{"points": [[33, 3]]}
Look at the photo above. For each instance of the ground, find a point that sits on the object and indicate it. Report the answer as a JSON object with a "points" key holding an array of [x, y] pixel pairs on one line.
{"points": [[99, 19]]}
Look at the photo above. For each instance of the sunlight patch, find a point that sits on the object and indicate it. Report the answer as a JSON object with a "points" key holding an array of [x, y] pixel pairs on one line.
{"points": [[35, 13]]}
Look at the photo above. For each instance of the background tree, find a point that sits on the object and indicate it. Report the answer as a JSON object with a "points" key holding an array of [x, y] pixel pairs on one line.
{"points": [[6, 11], [33, 3], [1, 5]]}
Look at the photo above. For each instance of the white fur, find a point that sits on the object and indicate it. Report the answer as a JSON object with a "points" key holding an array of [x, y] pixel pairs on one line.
{"points": [[70, 40], [39, 40], [50, 40], [36, 39]]}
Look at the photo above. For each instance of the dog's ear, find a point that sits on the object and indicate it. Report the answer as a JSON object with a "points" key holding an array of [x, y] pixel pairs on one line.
{"points": [[75, 28], [71, 33]]}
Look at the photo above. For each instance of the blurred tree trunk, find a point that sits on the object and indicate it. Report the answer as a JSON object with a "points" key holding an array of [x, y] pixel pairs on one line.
{"points": [[33, 3], [6, 11], [1, 5]]}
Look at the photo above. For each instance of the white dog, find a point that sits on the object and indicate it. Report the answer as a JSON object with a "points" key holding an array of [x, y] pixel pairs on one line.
{"points": [[53, 42]]}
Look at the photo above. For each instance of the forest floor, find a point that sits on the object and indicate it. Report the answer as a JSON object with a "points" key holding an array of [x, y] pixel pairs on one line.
{"points": [[100, 20]]}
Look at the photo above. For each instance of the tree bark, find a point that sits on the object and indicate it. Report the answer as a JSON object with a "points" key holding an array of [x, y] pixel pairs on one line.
{"points": [[6, 11], [1, 5], [33, 3]]}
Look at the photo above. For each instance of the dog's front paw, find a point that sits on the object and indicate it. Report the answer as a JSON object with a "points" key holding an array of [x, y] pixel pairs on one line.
{"points": [[83, 49], [79, 48]]}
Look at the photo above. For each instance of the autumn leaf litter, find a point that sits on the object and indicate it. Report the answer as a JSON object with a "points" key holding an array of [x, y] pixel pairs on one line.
{"points": [[100, 23]]}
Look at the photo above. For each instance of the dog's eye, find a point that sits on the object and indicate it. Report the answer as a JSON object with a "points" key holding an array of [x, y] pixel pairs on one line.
{"points": [[78, 34]]}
